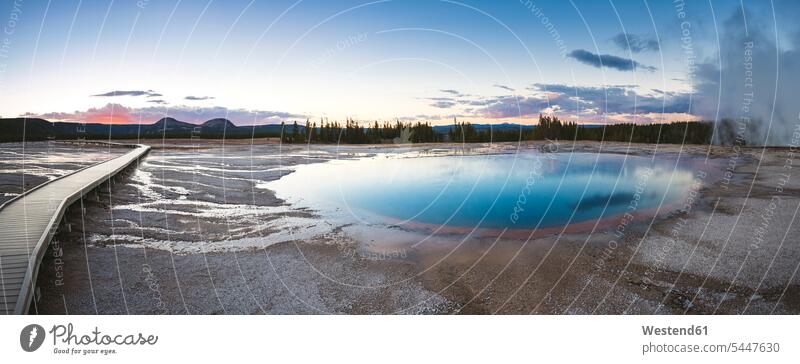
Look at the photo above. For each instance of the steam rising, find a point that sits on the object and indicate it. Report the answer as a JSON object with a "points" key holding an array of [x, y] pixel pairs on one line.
{"points": [[752, 89]]}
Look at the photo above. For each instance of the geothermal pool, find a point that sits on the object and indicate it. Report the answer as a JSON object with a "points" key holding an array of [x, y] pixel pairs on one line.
{"points": [[527, 190]]}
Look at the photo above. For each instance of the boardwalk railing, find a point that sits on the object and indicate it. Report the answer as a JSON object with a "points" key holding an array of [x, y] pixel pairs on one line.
{"points": [[29, 221]]}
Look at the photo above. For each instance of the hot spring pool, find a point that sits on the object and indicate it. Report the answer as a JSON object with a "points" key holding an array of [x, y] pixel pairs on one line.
{"points": [[527, 190]]}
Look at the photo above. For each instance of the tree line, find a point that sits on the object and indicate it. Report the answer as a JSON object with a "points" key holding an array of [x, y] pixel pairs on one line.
{"points": [[353, 133], [548, 128]]}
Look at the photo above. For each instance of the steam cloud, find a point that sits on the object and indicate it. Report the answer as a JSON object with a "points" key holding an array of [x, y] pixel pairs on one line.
{"points": [[751, 90]]}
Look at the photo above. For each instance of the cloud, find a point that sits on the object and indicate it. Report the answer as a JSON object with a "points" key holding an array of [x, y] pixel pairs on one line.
{"points": [[198, 98], [443, 104], [620, 99], [157, 101], [459, 99], [148, 93], [511, 106], [635, 43], [452, 92], [612, 103], [108, 114], [432, 117], [504, 87], [120, 114], [607, 60]]}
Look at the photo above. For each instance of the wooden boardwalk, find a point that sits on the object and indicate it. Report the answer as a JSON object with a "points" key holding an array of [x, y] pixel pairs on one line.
{"points": [[29, 221]]}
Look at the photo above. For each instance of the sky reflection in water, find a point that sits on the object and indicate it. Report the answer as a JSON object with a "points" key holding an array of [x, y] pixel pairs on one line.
{"points": [[517, 191]]}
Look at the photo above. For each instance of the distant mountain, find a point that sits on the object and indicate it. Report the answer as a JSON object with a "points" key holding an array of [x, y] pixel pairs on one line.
{"points": [[33, 126], [218, 124], [480, 127], [171, 125], [11, 130]]}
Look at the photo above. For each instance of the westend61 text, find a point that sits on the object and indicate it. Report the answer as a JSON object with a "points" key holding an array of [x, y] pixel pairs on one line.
{"points": [[675, 331]]}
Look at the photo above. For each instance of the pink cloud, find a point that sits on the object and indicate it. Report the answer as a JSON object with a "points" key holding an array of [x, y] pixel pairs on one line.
{"points": [[120, 114]]}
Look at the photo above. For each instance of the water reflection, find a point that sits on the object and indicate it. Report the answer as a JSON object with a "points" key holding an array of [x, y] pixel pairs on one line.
{"points": [[519, 191]]}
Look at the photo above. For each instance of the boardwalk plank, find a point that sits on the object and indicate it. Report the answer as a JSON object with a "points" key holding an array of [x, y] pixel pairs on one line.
{"points": [[28, 222]]}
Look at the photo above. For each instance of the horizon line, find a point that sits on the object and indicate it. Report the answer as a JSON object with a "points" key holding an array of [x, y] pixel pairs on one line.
{"points": [[366, 124]]}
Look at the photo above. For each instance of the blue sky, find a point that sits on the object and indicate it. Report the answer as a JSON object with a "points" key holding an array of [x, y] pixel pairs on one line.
{"points": [[269, 61]]}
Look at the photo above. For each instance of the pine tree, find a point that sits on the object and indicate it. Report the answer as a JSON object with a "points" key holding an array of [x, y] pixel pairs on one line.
{"points": [[295, 133]]}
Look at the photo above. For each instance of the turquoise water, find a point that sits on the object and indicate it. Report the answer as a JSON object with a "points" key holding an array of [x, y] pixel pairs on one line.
{"points": [[517, 191]]}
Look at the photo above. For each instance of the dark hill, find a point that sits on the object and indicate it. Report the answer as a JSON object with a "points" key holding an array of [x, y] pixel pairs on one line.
{"points": [[12, 129], [34, 129], [169, 124], [443, 129], [218, 124]]}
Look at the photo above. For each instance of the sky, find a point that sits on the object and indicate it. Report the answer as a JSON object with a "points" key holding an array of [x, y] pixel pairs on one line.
{"points": [[257, 62]]}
